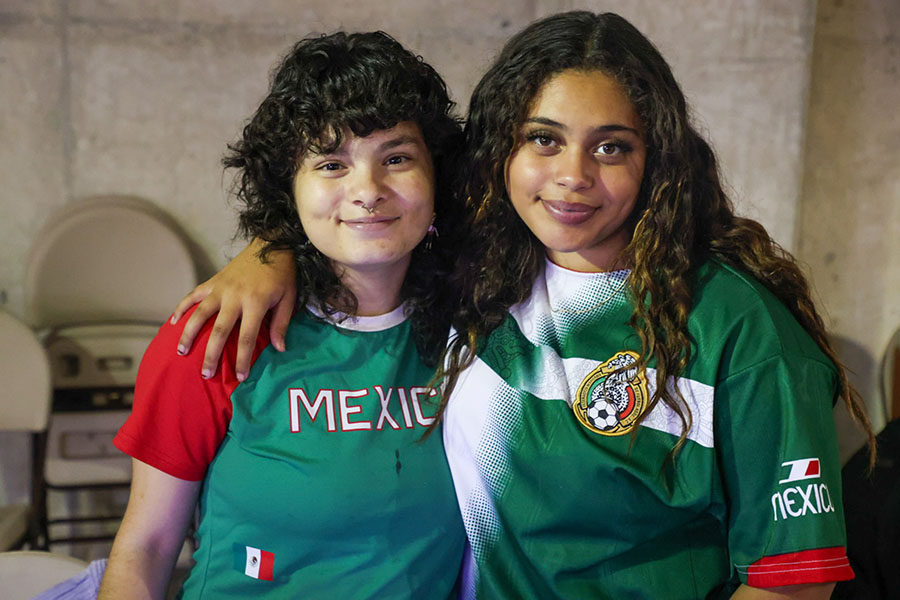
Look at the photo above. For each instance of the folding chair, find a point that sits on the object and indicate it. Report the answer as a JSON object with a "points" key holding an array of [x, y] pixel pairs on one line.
{"points": [[24, 407], [101, 278]]}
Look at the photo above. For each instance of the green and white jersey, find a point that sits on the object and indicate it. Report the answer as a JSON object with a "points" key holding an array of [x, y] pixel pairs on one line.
{"points": [[560, 501], [316, 480]]}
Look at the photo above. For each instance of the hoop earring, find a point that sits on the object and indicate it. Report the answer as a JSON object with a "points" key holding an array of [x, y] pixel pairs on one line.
{"points": [[430, 236]]}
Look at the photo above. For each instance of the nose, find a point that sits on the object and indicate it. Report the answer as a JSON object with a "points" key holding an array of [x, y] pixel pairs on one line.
{"points": [[368, 189], [574, 170]]}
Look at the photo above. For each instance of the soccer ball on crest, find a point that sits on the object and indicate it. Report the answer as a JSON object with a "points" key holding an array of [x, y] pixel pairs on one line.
{"points": [[603, 415]]}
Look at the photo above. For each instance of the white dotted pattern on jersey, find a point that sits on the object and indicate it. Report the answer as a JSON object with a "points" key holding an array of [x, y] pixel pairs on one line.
{"points": [[565, 301]]}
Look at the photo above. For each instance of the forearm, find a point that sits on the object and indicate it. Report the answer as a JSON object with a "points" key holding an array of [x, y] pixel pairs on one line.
{"points": [[813, 591], [136, 573], [151, 535]]}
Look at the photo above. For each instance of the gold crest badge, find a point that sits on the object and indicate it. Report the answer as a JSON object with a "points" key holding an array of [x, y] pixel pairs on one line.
{"points": [[612, 397]]}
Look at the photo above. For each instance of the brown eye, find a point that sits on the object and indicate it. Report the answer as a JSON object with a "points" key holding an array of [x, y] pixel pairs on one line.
{"points": [[609, 149], [541, 139], [613, 148]]}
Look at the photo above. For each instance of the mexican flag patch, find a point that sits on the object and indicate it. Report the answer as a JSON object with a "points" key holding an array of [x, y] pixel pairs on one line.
{"points": [[254, 562]]}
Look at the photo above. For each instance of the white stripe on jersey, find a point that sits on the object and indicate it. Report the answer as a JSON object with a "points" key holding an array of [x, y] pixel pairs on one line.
{"points": [[699, 398], [560, 378]]}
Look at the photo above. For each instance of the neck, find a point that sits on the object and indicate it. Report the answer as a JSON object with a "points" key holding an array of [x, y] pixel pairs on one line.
{"points": [[610, 255], [574, 261], [377, 292]]}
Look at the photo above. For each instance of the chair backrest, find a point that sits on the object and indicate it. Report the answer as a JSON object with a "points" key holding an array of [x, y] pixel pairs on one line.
{"points": [[107, 259], [25, 373], [890, 378], [26, 574]]}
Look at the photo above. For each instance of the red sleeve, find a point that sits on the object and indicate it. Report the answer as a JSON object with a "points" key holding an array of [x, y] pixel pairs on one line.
{"points": [[824, 565], [179, 419]]}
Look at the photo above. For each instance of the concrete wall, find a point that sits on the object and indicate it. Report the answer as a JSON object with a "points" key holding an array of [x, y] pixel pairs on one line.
{"points": [[139, 98], [849, 217]]}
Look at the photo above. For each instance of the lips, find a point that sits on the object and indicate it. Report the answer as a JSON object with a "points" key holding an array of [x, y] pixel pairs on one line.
{"points": [[370, 223], [568, 213]]}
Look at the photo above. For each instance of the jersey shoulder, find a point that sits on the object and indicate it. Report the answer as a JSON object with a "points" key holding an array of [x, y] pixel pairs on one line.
{"points": [[732, 306], [179, 418], [163, 348]]}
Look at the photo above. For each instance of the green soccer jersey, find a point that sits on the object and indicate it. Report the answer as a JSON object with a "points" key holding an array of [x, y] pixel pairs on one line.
{"points": [[560, 501], [316, 482]]}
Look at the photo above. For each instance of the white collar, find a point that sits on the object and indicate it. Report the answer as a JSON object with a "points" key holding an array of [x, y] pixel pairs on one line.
{"points": [[360, 323]]}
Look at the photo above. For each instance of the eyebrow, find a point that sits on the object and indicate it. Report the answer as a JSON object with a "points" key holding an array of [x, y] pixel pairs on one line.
{"points": [[599, 129], [398, 141]]}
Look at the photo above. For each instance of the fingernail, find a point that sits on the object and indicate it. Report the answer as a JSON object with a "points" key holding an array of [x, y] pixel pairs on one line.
{"points": [[182, 350], [241, 376], [173, 320], [279, 345], [206, 373]]}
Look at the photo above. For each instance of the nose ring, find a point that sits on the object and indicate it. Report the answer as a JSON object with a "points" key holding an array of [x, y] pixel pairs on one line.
{"points": [[369, 209]]}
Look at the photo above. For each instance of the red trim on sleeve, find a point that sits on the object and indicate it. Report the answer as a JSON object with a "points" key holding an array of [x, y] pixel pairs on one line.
{"points": [[179, 419], [809, 566]]}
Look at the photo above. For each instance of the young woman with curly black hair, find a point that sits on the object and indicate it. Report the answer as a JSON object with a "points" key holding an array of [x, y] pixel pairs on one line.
{"points": [[311, 474], [638, 398]]}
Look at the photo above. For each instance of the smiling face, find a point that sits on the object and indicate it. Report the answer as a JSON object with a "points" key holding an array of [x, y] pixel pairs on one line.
{"points": [[575, 174], [369, 203]]}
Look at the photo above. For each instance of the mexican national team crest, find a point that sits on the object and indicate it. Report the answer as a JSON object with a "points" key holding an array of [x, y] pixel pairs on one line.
{"points": [[612, 397]]}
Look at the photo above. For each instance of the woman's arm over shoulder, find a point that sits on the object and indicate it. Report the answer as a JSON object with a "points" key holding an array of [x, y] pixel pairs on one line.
{"points": [[246, 289], [151, 535]]}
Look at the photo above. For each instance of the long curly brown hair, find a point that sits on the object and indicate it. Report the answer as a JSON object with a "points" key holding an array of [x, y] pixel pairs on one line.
{"points": [[682, 216], [324, 86]]}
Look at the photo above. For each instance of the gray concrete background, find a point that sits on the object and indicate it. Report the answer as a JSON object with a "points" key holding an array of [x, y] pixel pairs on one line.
{"points": [[848, 221], [138, 98]]}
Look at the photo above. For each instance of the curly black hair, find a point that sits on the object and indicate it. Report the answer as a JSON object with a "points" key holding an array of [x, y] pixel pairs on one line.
{"points": [[682, 216], [325, 86]]}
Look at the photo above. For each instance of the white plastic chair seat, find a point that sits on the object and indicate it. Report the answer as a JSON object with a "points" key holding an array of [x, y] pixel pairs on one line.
{"points": [[26, 574], [13, 524]]}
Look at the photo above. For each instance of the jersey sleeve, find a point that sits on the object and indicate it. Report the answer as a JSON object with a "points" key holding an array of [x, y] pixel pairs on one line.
{"points": [[781, 471], [178, 419]]}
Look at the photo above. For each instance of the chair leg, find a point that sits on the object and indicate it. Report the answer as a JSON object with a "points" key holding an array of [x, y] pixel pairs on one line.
{"points": [[38, 527]]}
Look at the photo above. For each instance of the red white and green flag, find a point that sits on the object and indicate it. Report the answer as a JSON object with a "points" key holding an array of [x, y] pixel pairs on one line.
{"points": [[806, 468], [254, 562]]}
